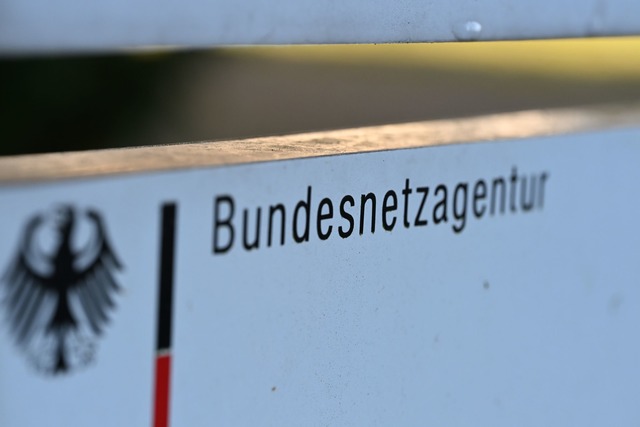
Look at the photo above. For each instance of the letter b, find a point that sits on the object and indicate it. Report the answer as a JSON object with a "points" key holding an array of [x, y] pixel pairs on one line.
{"points": [[222, 223]]}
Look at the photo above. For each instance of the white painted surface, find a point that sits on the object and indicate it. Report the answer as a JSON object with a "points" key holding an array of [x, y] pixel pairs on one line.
{"points": [[68, 25], [390, 328]]}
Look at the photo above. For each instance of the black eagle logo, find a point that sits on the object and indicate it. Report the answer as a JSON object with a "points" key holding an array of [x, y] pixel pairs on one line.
{"points": [[57, 297]]}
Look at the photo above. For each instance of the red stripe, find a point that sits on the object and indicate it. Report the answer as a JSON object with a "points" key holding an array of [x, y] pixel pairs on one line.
{"points": [[161, 406]]}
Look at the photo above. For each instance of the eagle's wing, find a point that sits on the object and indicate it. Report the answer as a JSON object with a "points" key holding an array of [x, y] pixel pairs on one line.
{"points": [[27, 291], [95, 284]]}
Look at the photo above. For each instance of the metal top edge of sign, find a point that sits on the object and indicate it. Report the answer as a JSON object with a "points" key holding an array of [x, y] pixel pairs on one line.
{"points": [[37, 26], [24, 169]]}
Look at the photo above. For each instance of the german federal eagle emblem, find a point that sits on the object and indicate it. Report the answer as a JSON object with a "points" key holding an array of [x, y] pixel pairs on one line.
{"points": [[59, 289]]}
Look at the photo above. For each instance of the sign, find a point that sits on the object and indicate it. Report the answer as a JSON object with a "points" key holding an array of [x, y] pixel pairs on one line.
{"points": [[493, 283], [28, 26]]}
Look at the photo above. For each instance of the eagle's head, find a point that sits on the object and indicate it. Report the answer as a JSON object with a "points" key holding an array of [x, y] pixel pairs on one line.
{"points": [[64, 217]]}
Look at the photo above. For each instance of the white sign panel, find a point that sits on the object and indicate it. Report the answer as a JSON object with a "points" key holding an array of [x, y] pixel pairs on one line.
{"points": [[489, 284], [40, 25]]}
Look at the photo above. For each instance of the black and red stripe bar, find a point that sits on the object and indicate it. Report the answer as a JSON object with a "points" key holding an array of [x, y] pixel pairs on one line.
{"points": [[165, 304]]}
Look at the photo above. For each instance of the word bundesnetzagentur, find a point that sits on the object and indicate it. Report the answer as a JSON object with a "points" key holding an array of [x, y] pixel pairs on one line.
{"points": [[407, 206]]}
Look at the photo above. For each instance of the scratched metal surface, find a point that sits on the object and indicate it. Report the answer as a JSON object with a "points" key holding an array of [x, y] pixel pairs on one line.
{"points": [[525, 124], [28, 26]]}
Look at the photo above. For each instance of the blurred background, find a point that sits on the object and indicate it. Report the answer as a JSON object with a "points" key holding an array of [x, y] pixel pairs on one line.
{"points": [[85, 102]]}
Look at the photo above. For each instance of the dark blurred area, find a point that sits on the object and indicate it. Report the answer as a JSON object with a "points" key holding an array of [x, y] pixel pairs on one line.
{"points": [[88, 102], [61, 104]]}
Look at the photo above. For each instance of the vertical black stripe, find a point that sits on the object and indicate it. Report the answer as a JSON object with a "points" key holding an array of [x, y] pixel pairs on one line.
{"points": [[167, 251]]}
